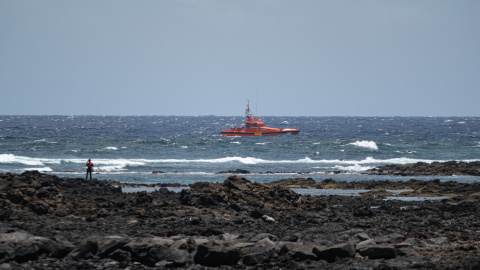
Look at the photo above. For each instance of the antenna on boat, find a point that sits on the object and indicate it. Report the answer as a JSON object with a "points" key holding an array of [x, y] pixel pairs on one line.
{"points": [[256, 103]]}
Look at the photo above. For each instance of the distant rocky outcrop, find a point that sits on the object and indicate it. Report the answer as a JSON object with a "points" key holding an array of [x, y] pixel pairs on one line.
{"points": [[435, 168], [237, 171]]}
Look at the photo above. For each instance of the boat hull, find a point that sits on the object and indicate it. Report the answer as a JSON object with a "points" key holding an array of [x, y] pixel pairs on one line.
{"points": [[247, 133]]}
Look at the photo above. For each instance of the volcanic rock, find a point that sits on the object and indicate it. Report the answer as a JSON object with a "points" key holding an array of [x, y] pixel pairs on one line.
{"points": [[60, 223], [378, 252], [340, 250], [237, 171], [435, 168]]}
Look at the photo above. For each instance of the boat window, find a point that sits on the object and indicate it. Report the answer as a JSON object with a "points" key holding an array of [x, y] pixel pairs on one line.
{"points": [[248, 125], [254, 125]]}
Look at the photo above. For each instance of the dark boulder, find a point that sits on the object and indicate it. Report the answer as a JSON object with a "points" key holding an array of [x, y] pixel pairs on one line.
{"points": [[262, 252], [62, 249], [143, 198], [139, 251], [379, 252], [237, 171], [109, 244], [120, 255], [330, 253], [26, 251], [214, 256], [6, 252], [296, 251], [394, 238], [294, 182], [259, 255], [85, 249]]}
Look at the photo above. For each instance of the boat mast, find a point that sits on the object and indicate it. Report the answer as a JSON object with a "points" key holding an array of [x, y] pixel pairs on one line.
{"points": [[249, 114]]}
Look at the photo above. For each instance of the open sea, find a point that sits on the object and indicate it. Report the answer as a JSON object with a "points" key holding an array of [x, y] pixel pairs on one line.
{"points": [[191, 149]]}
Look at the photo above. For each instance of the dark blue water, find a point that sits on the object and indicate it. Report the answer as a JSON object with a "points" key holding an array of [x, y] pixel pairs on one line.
{"points": [[190, 149]]}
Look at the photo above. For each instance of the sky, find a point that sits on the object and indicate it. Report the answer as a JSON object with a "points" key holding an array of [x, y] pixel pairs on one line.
{"points": [[209, 57]]}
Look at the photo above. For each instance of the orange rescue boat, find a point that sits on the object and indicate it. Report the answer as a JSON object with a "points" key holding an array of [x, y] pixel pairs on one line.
{"points": [[255, 127]]}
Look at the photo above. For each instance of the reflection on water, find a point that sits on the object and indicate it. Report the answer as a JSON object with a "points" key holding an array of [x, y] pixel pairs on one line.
{"points": [[358, 192], [304, 191], [326, 192], [128, 189], [416, 199]]}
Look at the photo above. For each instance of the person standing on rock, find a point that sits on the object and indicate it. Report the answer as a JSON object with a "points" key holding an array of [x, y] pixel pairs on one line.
{"points": [[89, 169]]}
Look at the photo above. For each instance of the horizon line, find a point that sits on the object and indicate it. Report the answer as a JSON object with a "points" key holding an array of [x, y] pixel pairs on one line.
{"points": [[210, 115]]}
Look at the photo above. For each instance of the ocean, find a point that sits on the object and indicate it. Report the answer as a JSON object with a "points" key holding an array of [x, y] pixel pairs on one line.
{"points": [[189, 149]]}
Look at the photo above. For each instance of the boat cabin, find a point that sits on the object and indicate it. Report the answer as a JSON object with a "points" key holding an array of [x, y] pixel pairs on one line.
{"points": [[254, 124]]}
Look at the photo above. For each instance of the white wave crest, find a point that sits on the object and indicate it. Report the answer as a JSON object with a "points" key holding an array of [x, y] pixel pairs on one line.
{"points": [[117, 165], [114, 168], [243, 160], [252, 160], [120, 162], [354, 168], [365, 144], [9, 158]]}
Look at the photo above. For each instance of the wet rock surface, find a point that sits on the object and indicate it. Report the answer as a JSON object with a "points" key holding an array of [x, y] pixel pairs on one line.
{"points": [[62, 223], [237, 171], [435, 168], [456, 192]]}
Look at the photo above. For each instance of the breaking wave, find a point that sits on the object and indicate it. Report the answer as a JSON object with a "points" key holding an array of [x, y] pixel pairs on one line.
{"points": [[121, 163], [365, 144]]}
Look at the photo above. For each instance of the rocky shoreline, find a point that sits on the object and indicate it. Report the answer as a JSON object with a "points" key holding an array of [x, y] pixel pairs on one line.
{"points": [[49, 222], [449, 168], [435, 168]]}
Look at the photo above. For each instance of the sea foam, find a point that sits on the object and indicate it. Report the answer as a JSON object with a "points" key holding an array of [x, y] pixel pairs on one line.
{"points": [[121, 163], [354, 168], [10, 158], [365, 144]]}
